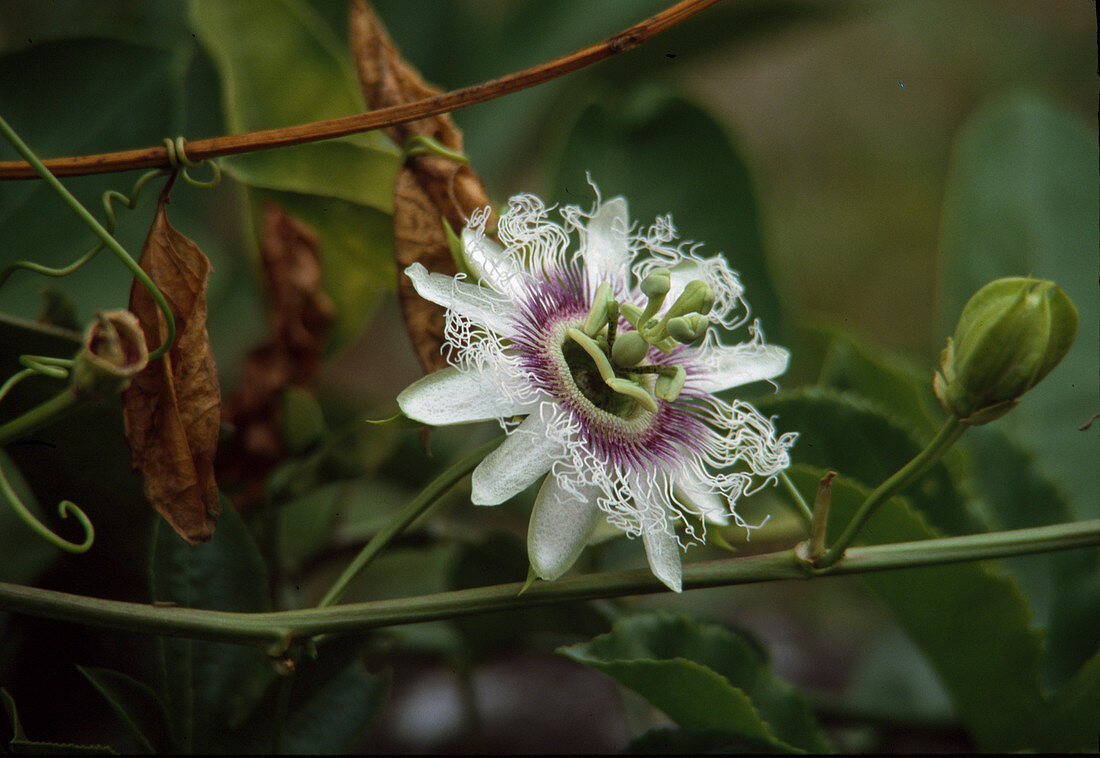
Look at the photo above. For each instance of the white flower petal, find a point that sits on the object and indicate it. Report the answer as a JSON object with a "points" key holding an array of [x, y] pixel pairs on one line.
{"points": [[523, 457], [699, 499], [726, 366], [453, 396], [561, 523], [663, 551], [490, 263], [606, 255], [481, 305]]}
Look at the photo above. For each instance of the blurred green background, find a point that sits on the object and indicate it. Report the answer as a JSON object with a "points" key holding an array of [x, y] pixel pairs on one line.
{"points": [[865, 165]]}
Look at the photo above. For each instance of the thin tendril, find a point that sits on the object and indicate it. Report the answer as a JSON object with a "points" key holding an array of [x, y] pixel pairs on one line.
{"points": [[111, 223], [65, 507], [179, 161], [105, 236]]}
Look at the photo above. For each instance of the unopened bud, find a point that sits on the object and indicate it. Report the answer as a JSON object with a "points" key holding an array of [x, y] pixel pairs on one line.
{"points": [[114, 352], [1010, 335]]}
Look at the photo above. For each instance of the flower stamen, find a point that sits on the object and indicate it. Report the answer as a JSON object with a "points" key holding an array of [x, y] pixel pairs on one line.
{"points": [[618, 384]]}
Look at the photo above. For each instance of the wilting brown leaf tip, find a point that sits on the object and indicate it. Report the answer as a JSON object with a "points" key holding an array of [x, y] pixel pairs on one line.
{"points": [[301, 316], [171, 408]]}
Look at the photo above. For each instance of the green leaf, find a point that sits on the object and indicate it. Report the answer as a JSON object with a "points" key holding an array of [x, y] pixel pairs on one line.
{"points": [[902, 389], [332, 702], [970, 620], [355, 168], [651, 139], [141, 711], [666, 741], [857, 439], [126, 96], [1063, 587], [1076, 708], [703, 677], [297, 72], [20, 744], [202, 679], [1021, 200], [335, 714]]}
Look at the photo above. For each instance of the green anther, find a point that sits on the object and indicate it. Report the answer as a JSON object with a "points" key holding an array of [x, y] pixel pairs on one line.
{"points": [[668, 386], [656, 283], [632, 314], [687, 329], [603, 365], [632, 390], [598, 313], [697, 297], [655, 287], [629, 349]]}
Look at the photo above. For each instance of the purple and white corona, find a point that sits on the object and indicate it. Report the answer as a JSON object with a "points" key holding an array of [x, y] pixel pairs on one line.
{"points": [[589, 341]]}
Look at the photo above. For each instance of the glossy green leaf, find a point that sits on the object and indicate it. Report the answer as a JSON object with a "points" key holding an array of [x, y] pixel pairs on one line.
{"points": [[139, 708], [295, 72], [703, 677], [202, 679], [856, 438], [1021, 200], [667, 155], [970, 620], [19, 743]]}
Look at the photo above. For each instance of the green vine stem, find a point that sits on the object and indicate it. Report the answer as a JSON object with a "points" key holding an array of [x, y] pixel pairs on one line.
{"points": [[416, 508], [275, 632], [948, 434], [96, 227]]}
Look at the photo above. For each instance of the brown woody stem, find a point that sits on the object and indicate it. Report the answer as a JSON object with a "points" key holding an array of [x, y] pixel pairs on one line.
{"points": [[157, 157]]}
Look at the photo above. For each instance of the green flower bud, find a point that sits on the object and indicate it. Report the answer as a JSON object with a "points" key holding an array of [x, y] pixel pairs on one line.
{"points": [[114, 352], [1010, 335]]}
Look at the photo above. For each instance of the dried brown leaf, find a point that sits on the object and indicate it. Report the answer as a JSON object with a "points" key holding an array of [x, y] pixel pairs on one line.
{"points": [[419, 237], [171, 408], [301, 316], [428, 188]]}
